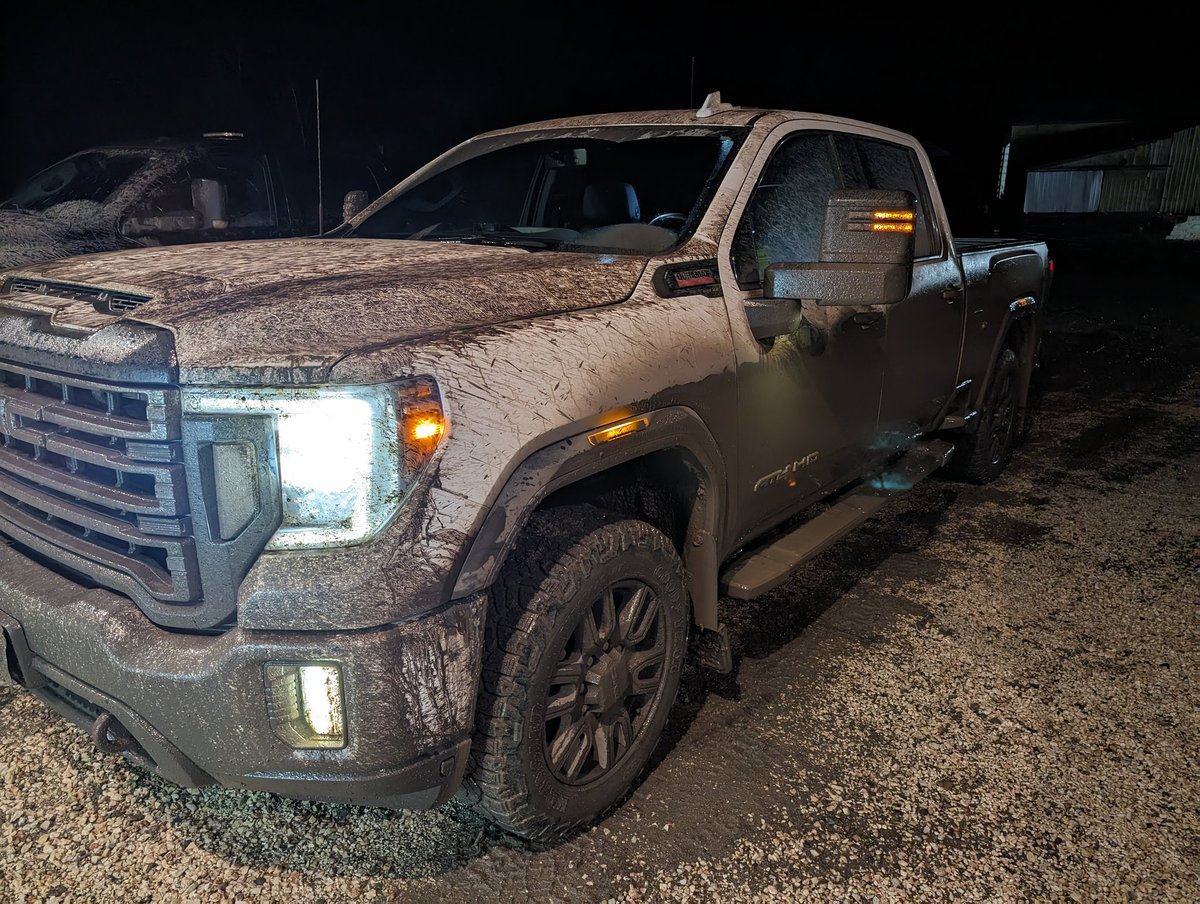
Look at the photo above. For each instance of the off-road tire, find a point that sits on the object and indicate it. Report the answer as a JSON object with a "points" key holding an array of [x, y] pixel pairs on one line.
{"points": [[981, 456], [564, 562]]}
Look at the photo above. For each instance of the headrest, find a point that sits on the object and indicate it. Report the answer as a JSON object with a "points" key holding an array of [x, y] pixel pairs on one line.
{"points": [[610, 201]]}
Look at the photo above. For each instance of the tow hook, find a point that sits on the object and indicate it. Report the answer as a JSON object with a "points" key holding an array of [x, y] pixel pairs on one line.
{"points": [[109, 735]]}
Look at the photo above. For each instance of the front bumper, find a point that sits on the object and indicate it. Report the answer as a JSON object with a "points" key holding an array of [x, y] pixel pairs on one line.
{"points": [[197, 706]]}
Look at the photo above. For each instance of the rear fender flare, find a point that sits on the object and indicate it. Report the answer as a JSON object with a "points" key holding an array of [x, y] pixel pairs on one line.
{"points": [[1027, 316]]}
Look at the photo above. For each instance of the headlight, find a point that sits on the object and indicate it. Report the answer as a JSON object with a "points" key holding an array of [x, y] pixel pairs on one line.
{"points": [[347, 454]]}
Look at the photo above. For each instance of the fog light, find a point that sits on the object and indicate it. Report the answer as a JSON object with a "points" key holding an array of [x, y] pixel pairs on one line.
{"points": [[304, 701]]}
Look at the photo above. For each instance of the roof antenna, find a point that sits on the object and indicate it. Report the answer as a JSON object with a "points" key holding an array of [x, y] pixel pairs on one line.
{"points": [[299, 118], [712, 106], [320, 181]]}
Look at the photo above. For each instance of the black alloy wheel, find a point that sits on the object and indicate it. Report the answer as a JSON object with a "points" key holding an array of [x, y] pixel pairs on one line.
{"points": [[600, 691], [583, 651], [980, 457], [1000, 427]]}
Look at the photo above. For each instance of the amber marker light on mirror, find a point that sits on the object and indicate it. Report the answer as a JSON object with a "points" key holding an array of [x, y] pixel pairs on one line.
{"points": [[892, 221], [616, 431]]}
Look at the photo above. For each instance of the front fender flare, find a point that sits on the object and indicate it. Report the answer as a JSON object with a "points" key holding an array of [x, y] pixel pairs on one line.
{"points": [[570, 460]]}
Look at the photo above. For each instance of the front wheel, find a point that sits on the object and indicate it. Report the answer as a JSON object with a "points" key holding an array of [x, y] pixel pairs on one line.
{"points": [[585, 644]]}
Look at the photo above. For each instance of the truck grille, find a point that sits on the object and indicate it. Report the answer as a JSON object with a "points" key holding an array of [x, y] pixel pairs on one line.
{"points": [[91, 478]]}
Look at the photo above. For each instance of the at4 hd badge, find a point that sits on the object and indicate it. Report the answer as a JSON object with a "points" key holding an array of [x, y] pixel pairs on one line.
{"points": [[787, 472]]}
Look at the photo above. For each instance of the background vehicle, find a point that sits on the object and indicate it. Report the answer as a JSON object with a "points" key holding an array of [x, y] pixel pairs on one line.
{"points": [[221, 188], [437, 503]]}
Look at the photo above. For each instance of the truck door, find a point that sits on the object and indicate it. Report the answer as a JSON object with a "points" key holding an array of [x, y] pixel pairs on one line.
{"points": [[924, 331], [807, 401]]}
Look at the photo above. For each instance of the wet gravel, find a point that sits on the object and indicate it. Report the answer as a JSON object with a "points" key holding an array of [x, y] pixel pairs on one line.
{"points": [[988, 692]]}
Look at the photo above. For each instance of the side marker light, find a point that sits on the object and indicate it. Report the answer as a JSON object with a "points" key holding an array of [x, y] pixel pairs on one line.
{"points": [[616, 431]]}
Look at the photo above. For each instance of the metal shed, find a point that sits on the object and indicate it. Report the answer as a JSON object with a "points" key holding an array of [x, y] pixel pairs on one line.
{"points": [[1159, 176]]}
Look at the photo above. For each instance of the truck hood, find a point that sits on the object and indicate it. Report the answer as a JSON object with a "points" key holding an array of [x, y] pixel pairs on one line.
{"points": [[301, 305], [27, 237]]}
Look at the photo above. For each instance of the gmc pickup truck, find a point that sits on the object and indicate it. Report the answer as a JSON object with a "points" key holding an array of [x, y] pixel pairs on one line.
{"points": [[441, 504]]}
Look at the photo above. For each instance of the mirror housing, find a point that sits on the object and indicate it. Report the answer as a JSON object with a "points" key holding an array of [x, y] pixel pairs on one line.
{"points": [[838, 284], [866, 252], [354, 203], [773, 317]]}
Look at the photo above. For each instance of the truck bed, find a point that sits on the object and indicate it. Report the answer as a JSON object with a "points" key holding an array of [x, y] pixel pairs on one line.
{"points": [[990, 243]]}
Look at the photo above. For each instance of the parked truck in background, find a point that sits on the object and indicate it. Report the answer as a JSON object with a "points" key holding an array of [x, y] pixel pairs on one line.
{"points": [[441, 503], [222, 187]]}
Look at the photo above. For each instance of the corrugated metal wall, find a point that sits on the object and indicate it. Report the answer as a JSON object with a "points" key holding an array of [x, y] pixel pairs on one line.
{"points": [[1152, 153], [1181, 190], [1063, 191], [1132, 189], [1161, 176]]}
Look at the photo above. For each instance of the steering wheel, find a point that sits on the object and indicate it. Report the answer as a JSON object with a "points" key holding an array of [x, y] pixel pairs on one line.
{"points": [[678, 218]]}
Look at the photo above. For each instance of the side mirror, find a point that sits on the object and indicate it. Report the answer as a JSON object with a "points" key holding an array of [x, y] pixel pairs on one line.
{"points": [[866, 252], [773, 317], [354, 203]]}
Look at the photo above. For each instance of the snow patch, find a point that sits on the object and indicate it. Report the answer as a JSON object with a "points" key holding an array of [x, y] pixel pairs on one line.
{"points": [[1187, 231]]}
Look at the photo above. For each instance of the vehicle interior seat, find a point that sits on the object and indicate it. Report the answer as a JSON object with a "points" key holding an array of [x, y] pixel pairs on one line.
{"points": [[610, 201], [612, 217]]}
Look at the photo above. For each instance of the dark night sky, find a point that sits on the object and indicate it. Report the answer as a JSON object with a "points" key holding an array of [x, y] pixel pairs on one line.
{"points": [[415, 82]]}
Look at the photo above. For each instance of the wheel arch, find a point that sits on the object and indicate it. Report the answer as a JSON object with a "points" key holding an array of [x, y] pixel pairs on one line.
{"points": [[1019, 332], [671, 473]]}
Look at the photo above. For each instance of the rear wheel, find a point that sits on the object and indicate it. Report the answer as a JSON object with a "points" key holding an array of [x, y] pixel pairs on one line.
{"points": [[981, 456], [585, 645]]}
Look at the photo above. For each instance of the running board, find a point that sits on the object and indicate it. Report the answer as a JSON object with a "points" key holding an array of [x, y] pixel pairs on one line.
{"points": [[765, 568]]}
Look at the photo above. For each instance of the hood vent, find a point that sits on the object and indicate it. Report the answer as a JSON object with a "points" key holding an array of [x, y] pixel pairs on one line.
{"points": [[106, 301]]}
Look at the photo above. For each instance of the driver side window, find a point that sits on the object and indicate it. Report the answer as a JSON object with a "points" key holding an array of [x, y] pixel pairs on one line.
{"points": [[786, 213]]}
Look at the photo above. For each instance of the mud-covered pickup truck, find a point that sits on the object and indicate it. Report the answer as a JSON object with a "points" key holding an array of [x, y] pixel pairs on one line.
{"points": [[442, 503], [217, 189]]}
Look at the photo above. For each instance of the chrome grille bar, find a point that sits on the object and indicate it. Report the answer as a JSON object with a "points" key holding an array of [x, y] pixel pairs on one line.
{"points": [[91, 477]]}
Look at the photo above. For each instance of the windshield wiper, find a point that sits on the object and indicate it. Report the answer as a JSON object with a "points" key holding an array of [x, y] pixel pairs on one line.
{"points": [[500, 239]]}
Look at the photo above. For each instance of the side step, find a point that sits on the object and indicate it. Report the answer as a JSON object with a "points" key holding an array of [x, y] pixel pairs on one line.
{"points": [[766, 567]]}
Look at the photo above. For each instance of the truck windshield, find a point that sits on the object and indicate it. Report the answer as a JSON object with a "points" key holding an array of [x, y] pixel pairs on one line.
{"points": [[90, 176], [621, 190]]}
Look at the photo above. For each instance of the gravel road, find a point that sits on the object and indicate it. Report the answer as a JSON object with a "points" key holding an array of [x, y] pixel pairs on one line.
{"points": [[991, 692]]}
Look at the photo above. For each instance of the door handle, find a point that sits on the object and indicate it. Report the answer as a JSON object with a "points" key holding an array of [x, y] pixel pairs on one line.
{"points": [[952, 292], [866, 320]]}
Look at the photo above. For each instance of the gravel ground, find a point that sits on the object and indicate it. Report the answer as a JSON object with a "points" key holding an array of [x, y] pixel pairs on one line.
{"points": [[988, 692]]}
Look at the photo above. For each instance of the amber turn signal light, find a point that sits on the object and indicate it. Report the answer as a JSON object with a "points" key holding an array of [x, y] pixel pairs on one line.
{"points": [[616, 431], [422, 425], [892, 221]]}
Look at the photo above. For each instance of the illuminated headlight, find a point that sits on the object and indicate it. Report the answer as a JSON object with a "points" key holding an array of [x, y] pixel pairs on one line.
{"points": [[304, 702], [347, 454]]}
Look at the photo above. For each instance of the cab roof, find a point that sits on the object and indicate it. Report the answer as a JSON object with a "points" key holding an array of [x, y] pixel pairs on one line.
{"points": [[730, 117]]}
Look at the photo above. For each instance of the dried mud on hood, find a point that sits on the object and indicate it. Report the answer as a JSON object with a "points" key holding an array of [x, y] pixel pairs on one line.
{"points": [[27, 237], [309, 302]]}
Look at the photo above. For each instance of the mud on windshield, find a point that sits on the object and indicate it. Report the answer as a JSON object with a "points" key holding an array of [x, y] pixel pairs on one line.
{"points": [[617, 190]]}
